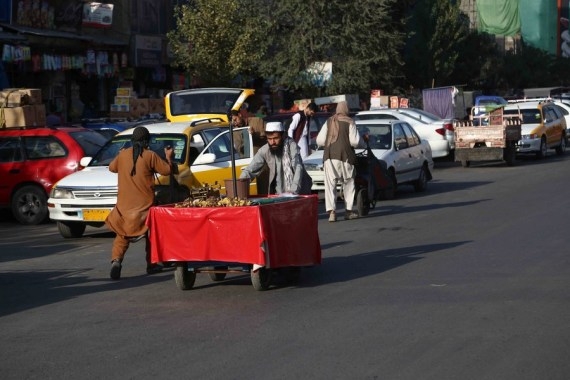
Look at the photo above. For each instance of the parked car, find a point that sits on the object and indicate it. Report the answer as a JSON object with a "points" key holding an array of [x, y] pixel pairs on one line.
{"points": [[110, 127], [438, 132], [33, 159], [408, 157], [205, 103], [564, 106], [543, 127], [201, 150]]}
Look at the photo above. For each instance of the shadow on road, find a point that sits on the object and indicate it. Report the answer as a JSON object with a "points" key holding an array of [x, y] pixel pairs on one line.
{"points": [[24, 290], [347, 268]]}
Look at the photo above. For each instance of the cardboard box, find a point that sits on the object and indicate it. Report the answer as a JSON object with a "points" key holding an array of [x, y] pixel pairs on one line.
{"points": [[119, 108], [122, 100], [156, 106], [124, 91], [119, 115], [13, 98], [21, 96], [40, 110], [138, 107], [11, 117]]}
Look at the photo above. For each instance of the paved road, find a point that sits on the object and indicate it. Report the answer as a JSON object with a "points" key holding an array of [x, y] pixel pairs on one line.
{"points": [[467, 281]]}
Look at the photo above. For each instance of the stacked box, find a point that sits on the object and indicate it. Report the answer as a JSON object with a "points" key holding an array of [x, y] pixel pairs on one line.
{"points": [[156, 106], [40, 112], [138, 107], [119, 115], [12, 117], [124, 92], [17, 97]]}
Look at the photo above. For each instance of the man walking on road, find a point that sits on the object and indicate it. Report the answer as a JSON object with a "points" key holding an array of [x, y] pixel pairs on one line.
{"points": [[339, 136], [136, 167]]}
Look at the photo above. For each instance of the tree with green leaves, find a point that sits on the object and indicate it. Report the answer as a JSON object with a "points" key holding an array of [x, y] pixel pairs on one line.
{"points": [[360, 39], [436, 31], [220, 42]]}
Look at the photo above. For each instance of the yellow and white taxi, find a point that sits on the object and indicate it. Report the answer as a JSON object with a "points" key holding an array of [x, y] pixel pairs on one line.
{"points": [[205, 103], [202, 151], [543, 127]]}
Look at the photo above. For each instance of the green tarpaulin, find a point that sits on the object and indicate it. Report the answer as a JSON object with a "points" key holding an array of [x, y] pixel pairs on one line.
{"points": [[539, 24], [499, 17], [535, 20]]}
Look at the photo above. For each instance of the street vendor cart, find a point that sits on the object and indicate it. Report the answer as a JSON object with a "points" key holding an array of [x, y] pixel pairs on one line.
{"points": [[271, 233]]}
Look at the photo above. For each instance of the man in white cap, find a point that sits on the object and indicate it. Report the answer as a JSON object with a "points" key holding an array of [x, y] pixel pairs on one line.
{"points": [[281, 154]]}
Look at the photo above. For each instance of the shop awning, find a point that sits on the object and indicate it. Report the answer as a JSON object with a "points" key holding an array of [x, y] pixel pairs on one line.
{"points": [[41, 32], [104, 40], [98, 39], [11, 37]]}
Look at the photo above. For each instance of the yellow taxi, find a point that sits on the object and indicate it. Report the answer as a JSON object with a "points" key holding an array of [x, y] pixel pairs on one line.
{"points": [[543, 127], [202, 151], [205, 103]]}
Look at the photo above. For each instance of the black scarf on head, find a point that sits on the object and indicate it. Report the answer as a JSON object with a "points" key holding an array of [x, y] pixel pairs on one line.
{"points": [[138, 149], [141, 138]]}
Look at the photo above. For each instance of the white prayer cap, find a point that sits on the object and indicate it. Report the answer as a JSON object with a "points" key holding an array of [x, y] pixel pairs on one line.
{"points": [[274, 126]]}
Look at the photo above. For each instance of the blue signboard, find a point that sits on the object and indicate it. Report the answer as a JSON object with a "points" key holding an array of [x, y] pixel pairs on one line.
{"points": [[5, 11]]}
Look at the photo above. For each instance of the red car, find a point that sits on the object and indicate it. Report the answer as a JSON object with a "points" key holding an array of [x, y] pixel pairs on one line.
{"points": [[32, 160]]}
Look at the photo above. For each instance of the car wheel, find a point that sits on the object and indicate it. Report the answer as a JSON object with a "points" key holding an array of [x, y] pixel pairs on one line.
{"points": [[71, 229], [29, 205], [561, 149], [261, 278], [543, 148], [362, 202], [390, 192], [183, 277], [420, 184]]}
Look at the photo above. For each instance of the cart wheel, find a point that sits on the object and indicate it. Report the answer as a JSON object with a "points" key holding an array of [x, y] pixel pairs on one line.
{"points": [[261, 279], [362, 202], [465, 163], [218, 276], [184, 278]]}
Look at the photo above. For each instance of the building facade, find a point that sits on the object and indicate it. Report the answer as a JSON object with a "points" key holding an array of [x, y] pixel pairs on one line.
{"points": [[79, 52]]}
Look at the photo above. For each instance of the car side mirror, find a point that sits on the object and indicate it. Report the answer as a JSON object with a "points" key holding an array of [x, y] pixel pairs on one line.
{"points": [[206, 158]]}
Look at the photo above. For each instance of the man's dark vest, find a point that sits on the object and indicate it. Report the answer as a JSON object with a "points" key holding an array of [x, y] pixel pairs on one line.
{"points": [[298, 132]]}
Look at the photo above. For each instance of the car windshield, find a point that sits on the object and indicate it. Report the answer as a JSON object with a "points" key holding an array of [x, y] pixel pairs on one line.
{"points": [[379, 135], [190, 103], [529, 115], [90, 141], [157, 144]]}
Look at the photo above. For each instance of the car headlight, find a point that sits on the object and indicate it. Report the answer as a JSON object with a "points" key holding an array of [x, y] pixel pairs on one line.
{"points": [[530, 137], [59, 193]]}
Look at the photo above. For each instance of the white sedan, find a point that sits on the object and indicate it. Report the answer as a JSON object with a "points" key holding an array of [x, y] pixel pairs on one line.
{"points": [[438, 132], [408, 157]]}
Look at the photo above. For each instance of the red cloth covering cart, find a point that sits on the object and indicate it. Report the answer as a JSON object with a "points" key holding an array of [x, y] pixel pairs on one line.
{"points": [[273, 233]]}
